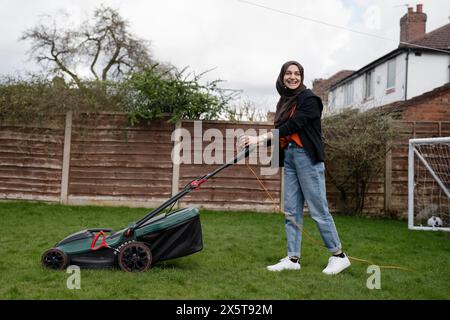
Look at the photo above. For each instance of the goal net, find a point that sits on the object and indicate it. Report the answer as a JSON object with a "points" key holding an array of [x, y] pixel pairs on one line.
{"points": [[429, 184]]}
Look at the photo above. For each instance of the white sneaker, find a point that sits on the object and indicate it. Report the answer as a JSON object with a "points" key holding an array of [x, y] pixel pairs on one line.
{"points": [[336, 265], [284, 264]]}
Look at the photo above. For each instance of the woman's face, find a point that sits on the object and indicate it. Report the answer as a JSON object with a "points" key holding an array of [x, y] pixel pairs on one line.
{"points": [[292, 77]]}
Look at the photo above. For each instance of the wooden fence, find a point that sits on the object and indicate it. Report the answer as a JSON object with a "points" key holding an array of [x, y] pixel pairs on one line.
{"points": [[99, 159], [31, 160]]}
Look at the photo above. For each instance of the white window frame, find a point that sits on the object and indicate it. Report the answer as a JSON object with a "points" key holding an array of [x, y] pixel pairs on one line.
{"points": [[348, 93], [391, 72], [368, 87]]}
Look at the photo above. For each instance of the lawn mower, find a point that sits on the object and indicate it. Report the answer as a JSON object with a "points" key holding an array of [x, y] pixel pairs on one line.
{"points": [[156, 237]]}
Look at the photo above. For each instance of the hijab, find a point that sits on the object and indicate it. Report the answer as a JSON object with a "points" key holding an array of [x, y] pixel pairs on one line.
{"points": [[287, 96]]}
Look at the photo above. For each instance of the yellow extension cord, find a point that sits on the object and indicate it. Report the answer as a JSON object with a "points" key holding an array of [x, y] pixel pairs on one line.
{"points": [[278, 209]]}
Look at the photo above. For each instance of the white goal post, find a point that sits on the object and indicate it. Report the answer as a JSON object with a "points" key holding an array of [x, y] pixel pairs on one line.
{"points": [[429, 184]]}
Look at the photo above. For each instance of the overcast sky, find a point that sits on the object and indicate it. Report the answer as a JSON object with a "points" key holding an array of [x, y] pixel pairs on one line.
{"points": [[244, 44]]}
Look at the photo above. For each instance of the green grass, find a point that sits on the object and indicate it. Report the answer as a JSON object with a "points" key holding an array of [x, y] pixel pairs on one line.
{"points": [[237, 248]]}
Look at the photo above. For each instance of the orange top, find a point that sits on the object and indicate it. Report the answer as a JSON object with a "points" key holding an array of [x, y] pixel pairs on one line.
{"points": [[284, 141]]}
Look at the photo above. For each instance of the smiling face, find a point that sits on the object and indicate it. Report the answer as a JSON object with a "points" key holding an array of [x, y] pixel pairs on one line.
{"points": [[292, 78]]}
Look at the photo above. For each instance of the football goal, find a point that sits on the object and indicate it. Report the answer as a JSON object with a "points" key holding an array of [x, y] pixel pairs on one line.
{"points": [[429, 184]]}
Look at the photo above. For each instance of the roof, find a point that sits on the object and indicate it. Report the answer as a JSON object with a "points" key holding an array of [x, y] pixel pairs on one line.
{"points": [[321, 87], [372, 65], [436, 39], [325, 84]]}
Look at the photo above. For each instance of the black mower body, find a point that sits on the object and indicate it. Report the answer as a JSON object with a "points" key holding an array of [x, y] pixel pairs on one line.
{"points": [[167, 236]]}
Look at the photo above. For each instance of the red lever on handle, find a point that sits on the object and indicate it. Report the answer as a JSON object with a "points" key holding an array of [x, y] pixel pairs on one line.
{"points": [[196, 183], [94, 241]]}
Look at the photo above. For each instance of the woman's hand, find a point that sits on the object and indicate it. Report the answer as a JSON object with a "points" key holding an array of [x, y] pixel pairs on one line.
{"points": [[245, 141]]}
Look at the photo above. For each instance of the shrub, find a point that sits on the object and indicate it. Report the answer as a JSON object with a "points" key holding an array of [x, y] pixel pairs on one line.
{"points": [[149, 94], [25, 100], [356, 144], [153, 95]]}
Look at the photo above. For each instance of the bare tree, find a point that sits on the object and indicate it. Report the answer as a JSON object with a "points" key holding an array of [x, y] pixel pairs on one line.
{"points": [[245, 110], [102, 43]]}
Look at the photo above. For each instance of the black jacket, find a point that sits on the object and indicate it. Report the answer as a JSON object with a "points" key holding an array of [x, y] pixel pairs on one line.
{"points": [[306, 122]]}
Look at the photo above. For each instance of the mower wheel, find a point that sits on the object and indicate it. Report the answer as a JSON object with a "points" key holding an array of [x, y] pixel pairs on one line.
{"points": [[135, 257], [54, 259]]}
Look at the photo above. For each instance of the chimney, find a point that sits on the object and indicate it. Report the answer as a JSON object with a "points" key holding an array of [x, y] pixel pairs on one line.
{"points": [[413, 24]]}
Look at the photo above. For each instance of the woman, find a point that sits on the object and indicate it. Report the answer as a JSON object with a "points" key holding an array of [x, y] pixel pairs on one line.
{"points": [[297, 119]]}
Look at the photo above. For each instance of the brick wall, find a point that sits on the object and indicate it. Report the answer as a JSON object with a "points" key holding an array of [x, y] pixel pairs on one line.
{"points": [[435, 109], [413, 24], [430, 106]]}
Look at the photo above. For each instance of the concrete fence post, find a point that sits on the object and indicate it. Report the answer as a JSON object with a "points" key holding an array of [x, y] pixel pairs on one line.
{"points": [[388, 180], [66, 158], [176, 160]]}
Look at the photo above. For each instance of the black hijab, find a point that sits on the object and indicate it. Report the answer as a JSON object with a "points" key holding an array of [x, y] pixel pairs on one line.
{"points": [[287, 96]]}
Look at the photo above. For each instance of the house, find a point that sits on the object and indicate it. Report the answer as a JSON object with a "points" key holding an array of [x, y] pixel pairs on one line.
{"points": [[420, 64], [321, 87]]}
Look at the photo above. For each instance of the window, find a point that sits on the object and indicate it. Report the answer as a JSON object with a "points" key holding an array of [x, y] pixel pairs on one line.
{"points": [[348, 93], [331, 99], [391, 74], [368, 84]]}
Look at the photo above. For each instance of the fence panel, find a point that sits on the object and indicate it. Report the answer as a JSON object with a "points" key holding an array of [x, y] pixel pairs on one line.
{"points": [[31, 160]]}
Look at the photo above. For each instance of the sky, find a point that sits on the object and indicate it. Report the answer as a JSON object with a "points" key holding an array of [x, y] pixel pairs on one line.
{"points": [[242, 42]]}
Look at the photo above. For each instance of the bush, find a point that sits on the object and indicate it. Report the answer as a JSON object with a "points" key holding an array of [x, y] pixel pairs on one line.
{"points": [[153, 95], [244, 110], [356, 144], [26, 100], [150, 94]]}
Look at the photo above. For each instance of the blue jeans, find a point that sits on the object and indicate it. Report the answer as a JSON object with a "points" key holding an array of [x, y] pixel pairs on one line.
{"points": [[305, 181]]}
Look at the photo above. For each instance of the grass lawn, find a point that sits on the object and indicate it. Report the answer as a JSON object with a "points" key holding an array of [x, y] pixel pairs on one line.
{"points": [[237, 248]]}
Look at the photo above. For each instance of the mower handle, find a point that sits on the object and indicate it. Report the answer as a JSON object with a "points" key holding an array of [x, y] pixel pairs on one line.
{"points": [[193, 185]]}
